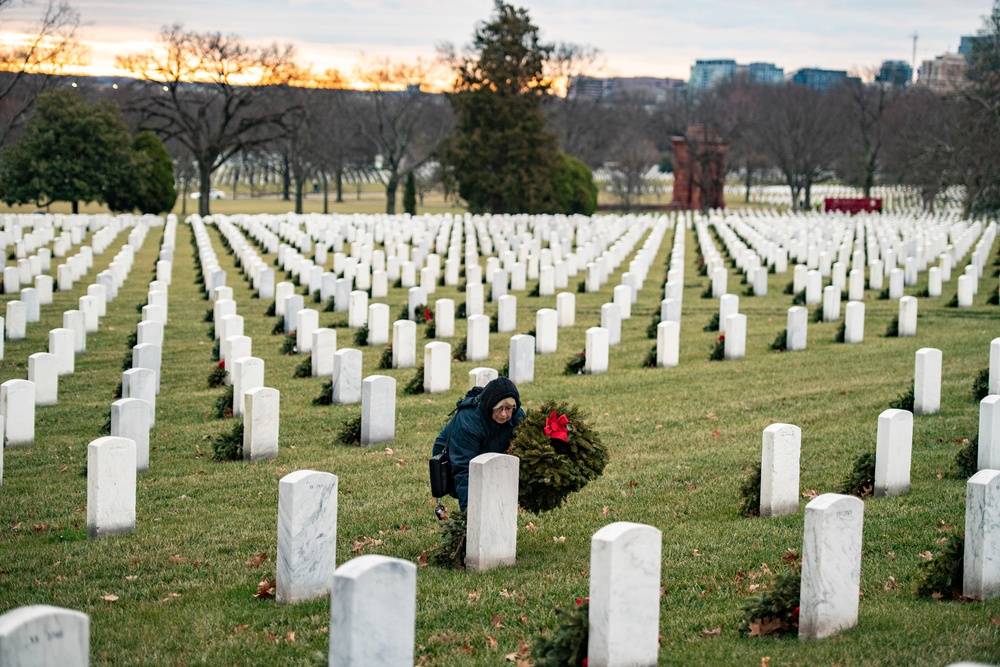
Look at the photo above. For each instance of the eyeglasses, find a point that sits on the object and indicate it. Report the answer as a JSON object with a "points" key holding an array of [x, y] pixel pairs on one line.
{"points": [[505, 408]]}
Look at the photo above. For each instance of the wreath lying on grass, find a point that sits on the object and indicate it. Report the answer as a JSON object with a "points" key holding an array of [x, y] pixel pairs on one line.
{"points": [[559, 454]]}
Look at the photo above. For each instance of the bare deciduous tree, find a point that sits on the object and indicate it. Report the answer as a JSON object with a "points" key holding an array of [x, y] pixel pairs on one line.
{"points": [[204, 90], [31, 66]]}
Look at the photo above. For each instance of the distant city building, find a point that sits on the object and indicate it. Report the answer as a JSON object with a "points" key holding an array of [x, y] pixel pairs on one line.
{"points": [[896, 73], [967, 44], [820, 79], [944, 74], [765, 73], [705, 74], [646, 89]]}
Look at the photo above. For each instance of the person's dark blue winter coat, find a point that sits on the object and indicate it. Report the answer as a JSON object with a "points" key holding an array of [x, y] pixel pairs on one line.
{"points": [[472, 431]]}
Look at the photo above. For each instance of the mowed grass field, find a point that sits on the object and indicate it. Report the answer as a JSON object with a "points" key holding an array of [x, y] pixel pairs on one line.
{"points": [[181, 589]]}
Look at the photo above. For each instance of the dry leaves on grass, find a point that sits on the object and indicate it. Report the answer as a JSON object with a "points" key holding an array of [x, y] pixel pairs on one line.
{"points": [[472, 597], [177, 558], [766, 626], [363, 542], [714, 632], [810, 493], [265, 589], [522, 656], [422, 559], [891, 584], [110, 598], [497, 621], [257, 560]]}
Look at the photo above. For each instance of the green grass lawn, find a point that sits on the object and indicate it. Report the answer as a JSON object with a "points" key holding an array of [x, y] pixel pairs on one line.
{"points": [[681, 441]]}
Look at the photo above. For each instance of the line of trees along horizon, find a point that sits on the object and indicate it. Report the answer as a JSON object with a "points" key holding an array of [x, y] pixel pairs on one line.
{"points": [[310, 138]]}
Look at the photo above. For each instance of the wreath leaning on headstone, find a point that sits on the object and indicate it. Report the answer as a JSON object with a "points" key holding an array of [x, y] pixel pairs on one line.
{"points": [[559, 454]]}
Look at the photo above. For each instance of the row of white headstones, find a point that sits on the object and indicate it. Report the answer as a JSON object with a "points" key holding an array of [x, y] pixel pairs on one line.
{"points": [[494, 542]]}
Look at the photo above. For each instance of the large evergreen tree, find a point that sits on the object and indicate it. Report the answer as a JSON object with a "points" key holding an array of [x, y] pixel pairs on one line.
{"points": [[157, 193], [500, 154], [69, 151]]}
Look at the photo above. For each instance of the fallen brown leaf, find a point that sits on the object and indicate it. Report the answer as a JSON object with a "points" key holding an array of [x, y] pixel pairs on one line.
{"points": [[497, 621], [257, 560], [995, 621], [422, 559], [605, 511], [389, 452], [240, 628], [177, 558], [110, 598], [927, 555], [472, 597], [714, 632], [290, 636], [766, 626], [491, 642], [810, 493], [561, 538], [891, 584], [265, 589]]}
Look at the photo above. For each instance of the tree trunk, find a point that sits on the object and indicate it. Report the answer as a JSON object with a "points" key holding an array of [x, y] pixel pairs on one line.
{"points": [[286, 180], [807, 196], [298, 196], [205, 187], [340, 185], [326, 192], [76, 207], [390, 194], [749, 181]]}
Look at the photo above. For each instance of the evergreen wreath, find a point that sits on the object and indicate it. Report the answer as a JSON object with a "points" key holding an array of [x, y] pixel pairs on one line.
{"points": [[981, 385], [416, 384], [718, 351], [224, 404], [450, 550], [325, 394], [904, 401], [361, 335], [279, 326], [576, 364], [217, 377], [566, 646], [776, 610], [967, 459], [861, 480], [551, 468], [349, 433], [941, 576], [385, 361], [750, 491], [305, 368], [288, 345], [892, 331], [229, 446], [780, 343]]}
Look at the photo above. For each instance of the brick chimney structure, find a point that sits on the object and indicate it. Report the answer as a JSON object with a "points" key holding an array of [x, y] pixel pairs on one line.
{"points": [[699, 169]]}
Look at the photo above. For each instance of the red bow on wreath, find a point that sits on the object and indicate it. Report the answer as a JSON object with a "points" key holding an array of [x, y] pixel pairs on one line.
{"points": [[555, 426]]}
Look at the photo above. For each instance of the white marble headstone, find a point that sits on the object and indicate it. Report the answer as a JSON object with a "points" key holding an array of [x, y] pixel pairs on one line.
{"points": [[307, 535]]}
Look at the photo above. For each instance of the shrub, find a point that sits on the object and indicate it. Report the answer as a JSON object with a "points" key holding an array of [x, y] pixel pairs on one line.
{"points": [[229, 446], [550, 468], [750, 492], [941, 576], [349, 433], [860, 481]]}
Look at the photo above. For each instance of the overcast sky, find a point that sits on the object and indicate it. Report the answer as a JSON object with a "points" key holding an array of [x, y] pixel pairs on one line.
{"points": [[636, 37]]}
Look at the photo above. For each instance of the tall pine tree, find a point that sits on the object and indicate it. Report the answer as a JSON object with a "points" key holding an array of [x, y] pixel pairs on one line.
{"points": [[500, 154]]}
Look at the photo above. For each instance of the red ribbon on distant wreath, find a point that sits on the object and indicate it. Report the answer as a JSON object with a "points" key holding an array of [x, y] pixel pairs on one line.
{"points": [[427, 315], [555, 426]]}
